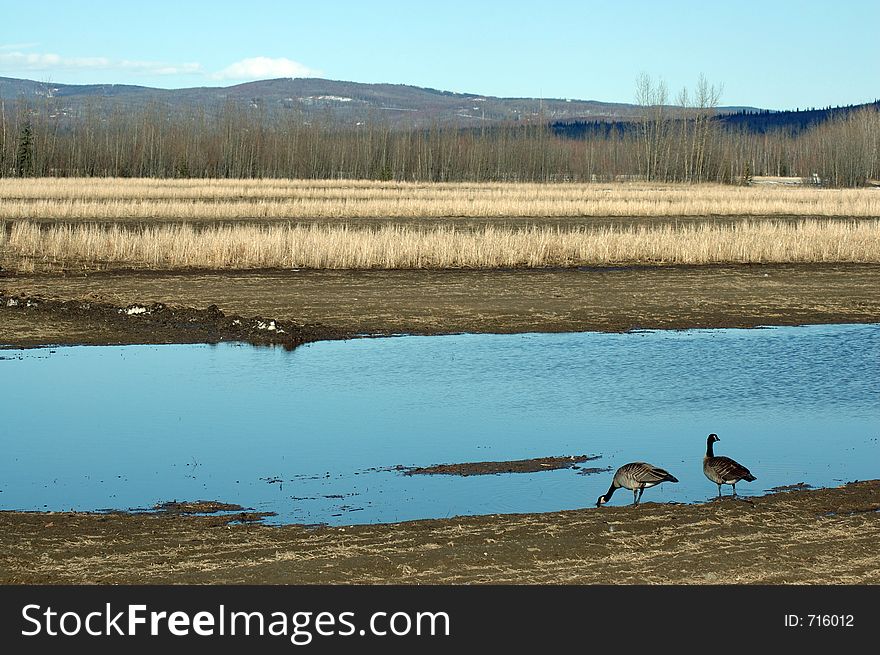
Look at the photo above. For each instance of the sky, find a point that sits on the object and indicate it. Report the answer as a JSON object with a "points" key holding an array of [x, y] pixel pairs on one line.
{"points": [[776, 54]]}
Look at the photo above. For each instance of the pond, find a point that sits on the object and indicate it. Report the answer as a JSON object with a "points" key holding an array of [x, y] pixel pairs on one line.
{"points": [[314, 434]]}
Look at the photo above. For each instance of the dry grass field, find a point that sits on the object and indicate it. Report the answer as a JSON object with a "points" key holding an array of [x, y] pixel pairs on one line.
{"points": [[29, 246], [73, 199], [111, 223]]}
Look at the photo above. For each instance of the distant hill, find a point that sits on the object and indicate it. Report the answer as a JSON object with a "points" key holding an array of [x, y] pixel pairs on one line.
{"points": [[398, 105], [758, 121], [790, 121]]}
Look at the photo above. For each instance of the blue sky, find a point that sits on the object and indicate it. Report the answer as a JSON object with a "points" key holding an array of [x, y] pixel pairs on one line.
{"points": [[775, 54]]}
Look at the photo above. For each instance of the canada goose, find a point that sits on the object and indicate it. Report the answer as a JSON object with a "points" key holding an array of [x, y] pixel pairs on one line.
{"points": [[723, 470], [637, 476]]}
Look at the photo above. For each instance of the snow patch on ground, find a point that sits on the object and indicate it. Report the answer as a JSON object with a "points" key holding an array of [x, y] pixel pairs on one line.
{"points": [[270, 326], [134, 310]]}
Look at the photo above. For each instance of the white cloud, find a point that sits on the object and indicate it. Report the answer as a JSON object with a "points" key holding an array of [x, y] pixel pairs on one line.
{"points": [[16, 61], [17, 46], [19, 62], [260, 68]]}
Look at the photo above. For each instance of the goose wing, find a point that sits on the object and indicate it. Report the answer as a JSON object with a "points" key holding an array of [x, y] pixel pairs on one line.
{"points": [[646, 473], [728, 469]]}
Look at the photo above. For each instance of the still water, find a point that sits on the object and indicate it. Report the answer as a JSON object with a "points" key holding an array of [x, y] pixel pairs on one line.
{"points": [[311, 434]]}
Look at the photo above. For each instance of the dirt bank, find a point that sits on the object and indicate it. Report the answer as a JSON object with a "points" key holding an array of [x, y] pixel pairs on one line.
{"points": [[442, 302], [803, 536], [36, 320]]}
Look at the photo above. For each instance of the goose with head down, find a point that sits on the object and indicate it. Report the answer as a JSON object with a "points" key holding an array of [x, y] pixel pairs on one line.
{"points": [[636, 476]]}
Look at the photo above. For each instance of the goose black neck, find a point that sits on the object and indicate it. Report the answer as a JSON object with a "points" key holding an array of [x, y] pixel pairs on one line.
{"points": [[610, 491], [710, 450]]}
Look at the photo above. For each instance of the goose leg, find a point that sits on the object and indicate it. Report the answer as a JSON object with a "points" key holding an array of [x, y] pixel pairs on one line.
{"points": [[641, 491], [635, 497], [719, 490], [734, 488]]}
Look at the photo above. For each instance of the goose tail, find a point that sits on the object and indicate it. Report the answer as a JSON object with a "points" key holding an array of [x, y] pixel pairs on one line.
{"points": [[663, 475]]}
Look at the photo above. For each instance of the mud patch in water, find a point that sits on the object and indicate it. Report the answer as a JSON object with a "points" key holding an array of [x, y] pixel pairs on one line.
{"points": [[593, 470], [196, 507], [533, 465], [791, 487], [229, 512]]}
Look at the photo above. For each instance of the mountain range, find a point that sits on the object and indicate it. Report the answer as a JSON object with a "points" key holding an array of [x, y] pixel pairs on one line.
{"points": [[396, 105]]}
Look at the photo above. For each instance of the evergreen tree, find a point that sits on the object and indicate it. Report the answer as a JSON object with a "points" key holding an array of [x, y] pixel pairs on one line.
{"points": [[24, 156]]}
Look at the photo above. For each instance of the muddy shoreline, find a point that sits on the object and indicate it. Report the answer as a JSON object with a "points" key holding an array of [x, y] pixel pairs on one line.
{"points": [[800, 536], [318, 305], [103, 323]]}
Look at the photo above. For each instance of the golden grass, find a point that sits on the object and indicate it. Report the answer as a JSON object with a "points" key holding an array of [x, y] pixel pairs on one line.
{"points": [[28, 246], [190, 200]]}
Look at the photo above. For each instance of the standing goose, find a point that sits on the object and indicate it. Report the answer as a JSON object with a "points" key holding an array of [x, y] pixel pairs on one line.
{"points": [[723, 470], [637, 476]]}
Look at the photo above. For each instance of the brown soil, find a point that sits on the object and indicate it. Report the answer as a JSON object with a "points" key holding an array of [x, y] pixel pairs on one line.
{"points": [[815, 536], [36, 321], [442, 302], [513, 466]]}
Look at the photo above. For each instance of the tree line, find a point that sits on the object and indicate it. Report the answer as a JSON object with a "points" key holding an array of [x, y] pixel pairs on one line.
{"points": [[672, 142]]}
